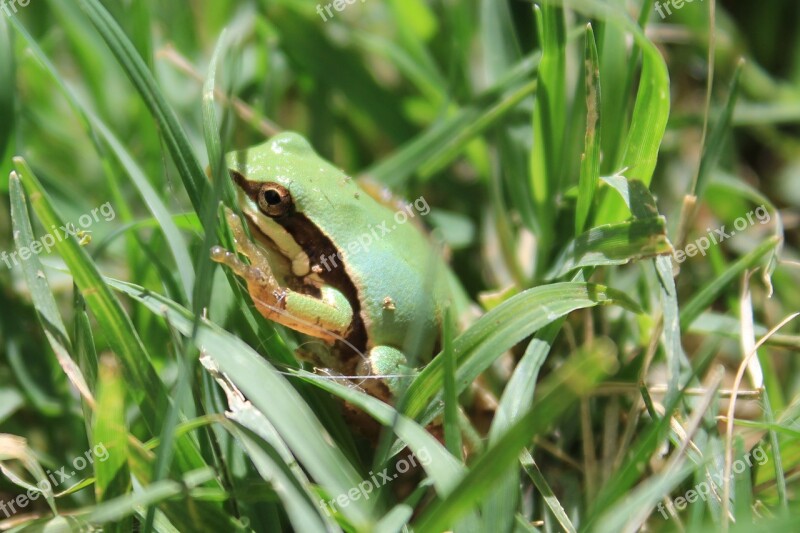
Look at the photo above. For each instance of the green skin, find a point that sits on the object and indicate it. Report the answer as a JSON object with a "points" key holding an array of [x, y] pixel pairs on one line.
{"points": [[386, 286]]}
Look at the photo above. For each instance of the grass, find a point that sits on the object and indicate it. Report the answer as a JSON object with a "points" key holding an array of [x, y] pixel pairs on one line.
{"points": [[567, 153]]}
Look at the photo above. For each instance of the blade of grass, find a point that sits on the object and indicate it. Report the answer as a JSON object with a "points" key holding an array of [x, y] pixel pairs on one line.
{"points": [[443, 141], [142, 378], [516, 399], [112, 475], [575, 378], [271, 457], [716, 138], [192, 175], [614, 244], [41, 293], [7, 94], [124, 506], [549, 122], [16, 448], [711, 291], [499, 330], [590, 160], [452, 431], [269, 391]]}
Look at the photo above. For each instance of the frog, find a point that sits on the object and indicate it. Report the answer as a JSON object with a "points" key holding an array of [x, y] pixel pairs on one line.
{"points": [[336, 262]]}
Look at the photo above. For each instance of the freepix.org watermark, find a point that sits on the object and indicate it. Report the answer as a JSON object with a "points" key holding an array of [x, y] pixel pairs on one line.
{"points": [[669, 5], [58, 234], [703, 489], [338, 5], [375, 233], [10, 7], [375, 481], [721, 234], [54, 479]]}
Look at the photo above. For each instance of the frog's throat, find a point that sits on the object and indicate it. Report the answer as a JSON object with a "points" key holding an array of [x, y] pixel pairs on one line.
{"points": [[281, 241]]}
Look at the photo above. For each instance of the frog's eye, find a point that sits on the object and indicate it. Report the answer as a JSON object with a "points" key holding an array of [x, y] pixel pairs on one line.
{"points": [[274, 199]]}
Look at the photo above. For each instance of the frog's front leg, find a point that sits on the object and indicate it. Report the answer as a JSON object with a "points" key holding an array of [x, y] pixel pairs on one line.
{"points": [[327, 317]]}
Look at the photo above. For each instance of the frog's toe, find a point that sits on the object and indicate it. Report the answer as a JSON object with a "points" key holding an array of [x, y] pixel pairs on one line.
{"points": [[385, 366], [249, 273]]}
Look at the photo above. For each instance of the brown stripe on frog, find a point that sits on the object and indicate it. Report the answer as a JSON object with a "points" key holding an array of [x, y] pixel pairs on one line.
{"points": [[317, 245]]}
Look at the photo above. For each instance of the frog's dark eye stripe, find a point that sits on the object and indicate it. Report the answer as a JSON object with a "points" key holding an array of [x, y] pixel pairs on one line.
{"points": [[274, 199]]}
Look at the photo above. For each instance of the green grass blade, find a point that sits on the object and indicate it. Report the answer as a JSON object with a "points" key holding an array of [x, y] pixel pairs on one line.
{"points": [[41, 293], [143, 381], [272, 458], [549, 121], [614, 244], [694, 307], [590, 160], [548, 495], [437, 146], [124, 506], [576, 378], [498, 330], [515, 401], [719, 132], [191, 173], [112, 475], [452, 430], [270, 393], [8, 112], [443, 468]]}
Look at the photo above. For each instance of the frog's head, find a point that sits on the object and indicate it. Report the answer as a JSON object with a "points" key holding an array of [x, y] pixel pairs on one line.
{"points": [[274, 179], [285, 191]]}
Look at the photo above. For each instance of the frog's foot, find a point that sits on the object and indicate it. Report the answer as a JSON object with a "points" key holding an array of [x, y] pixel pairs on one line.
{"points": [[385, 371], [326, 317]]}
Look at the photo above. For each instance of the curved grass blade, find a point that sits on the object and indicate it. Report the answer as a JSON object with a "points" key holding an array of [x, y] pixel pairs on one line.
{"points": [[269, 391], [500, 329], [16, 448], [7, 93], [515, 401], [590, 160], [443, 468], [191, 173], [711, 291], [574, 379], [436, 147], [41, 294], [160, 491], [614, 244], [144, 383], [112, 474], [271, 457]]}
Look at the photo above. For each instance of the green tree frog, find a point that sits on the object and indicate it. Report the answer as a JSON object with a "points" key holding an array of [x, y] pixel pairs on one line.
{"points": [[332, 261]]}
